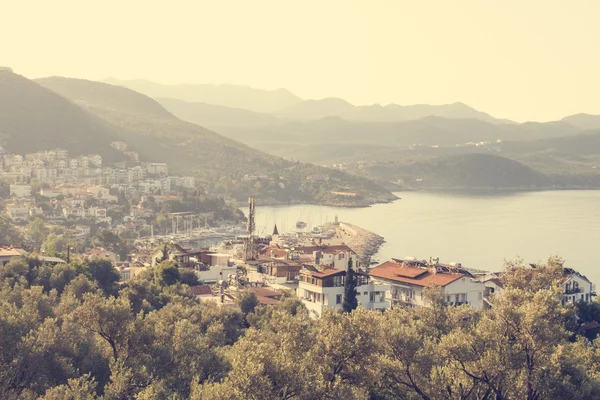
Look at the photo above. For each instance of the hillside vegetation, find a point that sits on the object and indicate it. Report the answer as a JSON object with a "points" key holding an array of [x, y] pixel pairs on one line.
{"points": [[72, 331], [222, 164], [34, 118], [459, 171]]}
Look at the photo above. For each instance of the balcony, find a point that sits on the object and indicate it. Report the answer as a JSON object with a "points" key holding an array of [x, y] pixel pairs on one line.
{"points": [[573, 290], [400, 298]]}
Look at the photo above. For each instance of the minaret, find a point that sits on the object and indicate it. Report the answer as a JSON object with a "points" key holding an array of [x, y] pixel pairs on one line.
{"points": [[275, 236]]}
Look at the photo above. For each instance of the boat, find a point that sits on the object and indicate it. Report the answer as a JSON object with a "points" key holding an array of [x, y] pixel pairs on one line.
{"points": [[300, 224]]}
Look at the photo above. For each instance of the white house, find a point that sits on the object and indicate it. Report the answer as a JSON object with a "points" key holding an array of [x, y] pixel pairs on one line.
{"points": [[576, 287], [157, 168], [409, 278], [17, 212], [96, 212], [50, 193], [74, 212], [20, 190], [216, 273], [321, 289], [80, 231], [326, 256], [61, 153]]}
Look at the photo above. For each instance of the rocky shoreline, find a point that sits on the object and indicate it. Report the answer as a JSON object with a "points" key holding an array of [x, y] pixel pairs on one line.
{"points": [[365, 243]]}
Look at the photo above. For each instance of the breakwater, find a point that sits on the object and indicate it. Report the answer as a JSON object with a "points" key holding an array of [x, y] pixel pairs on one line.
{"points": [[363, 242]]}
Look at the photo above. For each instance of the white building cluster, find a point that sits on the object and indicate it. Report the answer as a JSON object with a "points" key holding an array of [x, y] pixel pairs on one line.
{"points": [[56, 167]]}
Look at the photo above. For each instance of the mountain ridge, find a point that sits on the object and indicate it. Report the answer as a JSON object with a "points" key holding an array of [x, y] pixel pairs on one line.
{"points": [[220, 162], [298, 108], [235, 96], [33, 118]]}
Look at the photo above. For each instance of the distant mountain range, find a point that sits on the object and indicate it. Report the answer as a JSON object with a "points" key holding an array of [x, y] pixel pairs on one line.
{"points": [[85, 116], [317, 109], [584, 121], [234, 96], [444, 146], [283, 103], [307, 140], [33, 117]]}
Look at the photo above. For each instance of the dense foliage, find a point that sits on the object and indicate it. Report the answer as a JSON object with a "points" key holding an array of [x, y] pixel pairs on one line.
{"points": [[72, 332]]}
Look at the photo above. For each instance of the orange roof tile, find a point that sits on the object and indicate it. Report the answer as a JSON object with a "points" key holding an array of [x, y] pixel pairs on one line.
{"points": [[200, 290], [267, 300], [327, 272], [264, 292], [398, 273]]}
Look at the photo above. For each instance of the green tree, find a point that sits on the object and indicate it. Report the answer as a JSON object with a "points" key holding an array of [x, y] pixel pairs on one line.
{"points": [[166, 273], [108, 318], [350, 301], [104, 274], [188, 277], [37, 231], [82, 388], [8, 234], [247, 301]]}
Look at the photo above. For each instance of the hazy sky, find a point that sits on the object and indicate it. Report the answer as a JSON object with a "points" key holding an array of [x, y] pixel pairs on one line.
{"points": [[518, 59]]}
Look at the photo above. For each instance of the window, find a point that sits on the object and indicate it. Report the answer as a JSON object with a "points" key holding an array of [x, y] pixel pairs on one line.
{"points": [[338, 299], [366, 293], [456, 299], [381, 297], [372, 297]]}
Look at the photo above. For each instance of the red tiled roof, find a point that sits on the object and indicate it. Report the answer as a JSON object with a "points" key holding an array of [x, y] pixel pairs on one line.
{"points": [[277, 252], [267, 300], [327, 272], [11, 252], [264, 292], [397, 272], [200, 290]]}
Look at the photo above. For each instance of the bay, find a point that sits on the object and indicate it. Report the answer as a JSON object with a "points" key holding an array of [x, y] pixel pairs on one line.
{"points": [[479, 230]]}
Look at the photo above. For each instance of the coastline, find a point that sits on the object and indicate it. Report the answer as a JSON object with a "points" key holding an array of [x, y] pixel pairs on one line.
{"points": [[361, 204], [364, 243]]}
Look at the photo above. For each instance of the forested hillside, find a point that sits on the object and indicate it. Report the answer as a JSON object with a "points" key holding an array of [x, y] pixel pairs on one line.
{"points": [[71, 332], [33, 118], [85, 116]]}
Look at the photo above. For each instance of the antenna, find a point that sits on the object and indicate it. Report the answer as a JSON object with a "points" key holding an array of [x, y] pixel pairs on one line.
{"points": [[251, 228]]}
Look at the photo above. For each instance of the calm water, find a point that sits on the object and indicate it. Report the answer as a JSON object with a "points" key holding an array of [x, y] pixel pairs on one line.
{"points": [[480, 231]]}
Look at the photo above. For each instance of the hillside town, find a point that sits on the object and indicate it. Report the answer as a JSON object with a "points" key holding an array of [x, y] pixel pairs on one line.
{"points": [[67, 208], [314, 265]]}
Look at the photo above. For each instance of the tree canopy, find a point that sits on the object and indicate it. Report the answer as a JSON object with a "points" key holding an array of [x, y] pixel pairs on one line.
{"points": [[70, 332]]}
